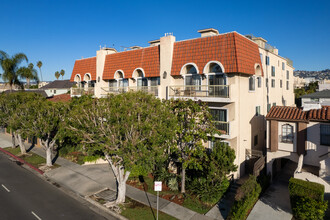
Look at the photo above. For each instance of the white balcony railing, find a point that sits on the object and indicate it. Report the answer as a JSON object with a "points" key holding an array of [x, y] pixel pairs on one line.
{"points": [[116, 90], [213, 91], [82, 91]]}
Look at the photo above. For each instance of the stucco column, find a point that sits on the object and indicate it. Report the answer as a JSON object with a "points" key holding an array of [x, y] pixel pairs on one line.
{"points": [[301, 137], [273, 135]]}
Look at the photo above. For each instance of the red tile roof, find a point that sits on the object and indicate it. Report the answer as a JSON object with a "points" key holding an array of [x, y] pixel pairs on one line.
{"points": [[284, 113], [60, 98], [128, 61], [84, 66], [235, 52]]}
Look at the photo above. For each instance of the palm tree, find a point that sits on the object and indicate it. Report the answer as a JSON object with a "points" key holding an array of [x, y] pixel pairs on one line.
{"points": [[57, 74], [39, 65], [29, 73], [10, 67], [62, 73]]}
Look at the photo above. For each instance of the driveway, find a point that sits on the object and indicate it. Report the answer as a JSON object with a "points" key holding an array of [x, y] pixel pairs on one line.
{"points": [[274, 204]]}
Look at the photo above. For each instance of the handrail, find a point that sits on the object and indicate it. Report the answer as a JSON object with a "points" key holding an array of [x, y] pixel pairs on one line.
{"points": [[149, 89], [221, 91]]}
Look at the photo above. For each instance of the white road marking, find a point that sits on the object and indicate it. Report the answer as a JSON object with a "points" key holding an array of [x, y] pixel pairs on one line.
{"points": [[35, 215], [5, 188]]}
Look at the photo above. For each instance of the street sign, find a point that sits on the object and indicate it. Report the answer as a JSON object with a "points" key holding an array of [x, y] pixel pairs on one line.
{"points": [[158, 186]]}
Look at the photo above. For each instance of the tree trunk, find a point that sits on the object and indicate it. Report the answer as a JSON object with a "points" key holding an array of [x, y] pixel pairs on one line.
{"points": [[13, 139], [49, 157], [183, 180], [121, 178], [28, 83], [21, 144]]}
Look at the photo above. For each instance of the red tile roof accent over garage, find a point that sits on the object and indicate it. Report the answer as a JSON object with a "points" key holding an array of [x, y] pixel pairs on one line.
{"points": [[236, 53], [128, 61], [283, 113], [84, 66]]}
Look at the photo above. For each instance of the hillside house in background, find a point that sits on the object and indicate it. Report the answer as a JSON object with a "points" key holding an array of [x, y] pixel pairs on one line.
{"points": [[58, 87]]}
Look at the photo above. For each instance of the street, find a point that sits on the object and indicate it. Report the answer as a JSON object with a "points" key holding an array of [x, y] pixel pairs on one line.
{"points": [[23, 195]]}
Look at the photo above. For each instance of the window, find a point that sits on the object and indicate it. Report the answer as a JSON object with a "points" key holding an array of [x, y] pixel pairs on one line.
{"points": [[219, 114], [273, 83], [287, 85], [268, 107], [211, 144], [54, 91], [274, 103], [283, 66], [273, 70], [215, 68], [251, 83], [112, 83], [280, 83], [267, 60], [154, 81], [325, 134], [192, 78], [287, 134], [216, 85], [259, 82], [257, 110], [142, 82], [261, 57], [287, 74], [267, 83], [255, 140]]}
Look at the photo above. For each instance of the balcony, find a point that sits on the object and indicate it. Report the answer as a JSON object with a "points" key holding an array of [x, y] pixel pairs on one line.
{"points": [[214, 93], [82, 91], [117, 90], [288, 139], [222, 126]]}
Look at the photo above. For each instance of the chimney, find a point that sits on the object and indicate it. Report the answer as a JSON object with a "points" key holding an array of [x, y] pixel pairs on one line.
{"points": [[154, 43], [208, 32]]}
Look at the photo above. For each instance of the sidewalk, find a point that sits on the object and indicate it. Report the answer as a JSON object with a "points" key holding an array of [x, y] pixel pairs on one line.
{"points": [[90, 179]]}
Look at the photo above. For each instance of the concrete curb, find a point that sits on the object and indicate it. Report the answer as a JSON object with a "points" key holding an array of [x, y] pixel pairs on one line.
{"points": [[104, 208], [22, 161]]}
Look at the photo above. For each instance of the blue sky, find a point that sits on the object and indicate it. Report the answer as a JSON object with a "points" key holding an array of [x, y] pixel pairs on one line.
{"points": [[58, 32]]}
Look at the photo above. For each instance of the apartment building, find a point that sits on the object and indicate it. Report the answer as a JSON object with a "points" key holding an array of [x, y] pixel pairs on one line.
{"points": [[239, 77]]}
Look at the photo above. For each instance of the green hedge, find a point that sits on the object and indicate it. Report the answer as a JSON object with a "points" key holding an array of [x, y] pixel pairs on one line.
{"points": [[247, 195], [303, 188], [307, 199]]}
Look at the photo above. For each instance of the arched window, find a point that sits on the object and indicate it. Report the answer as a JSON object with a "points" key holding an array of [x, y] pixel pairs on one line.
{"points": [[119, 81], [215, 68], [287, 133], [252, 82], [192, 78], [139, 75]]}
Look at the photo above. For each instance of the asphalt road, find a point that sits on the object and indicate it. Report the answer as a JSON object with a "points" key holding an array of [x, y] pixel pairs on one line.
{"points": [[24, 195]]}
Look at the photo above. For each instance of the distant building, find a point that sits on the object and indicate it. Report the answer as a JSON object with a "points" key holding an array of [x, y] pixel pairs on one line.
{"points": [[58, 87], [315, 100], [324, 85], [298, 82], [41, 84]]}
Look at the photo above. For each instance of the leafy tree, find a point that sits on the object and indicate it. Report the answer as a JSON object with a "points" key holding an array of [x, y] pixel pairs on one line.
{"points": [[194, 127], [62, 72], [42, 119], [211, 182], [57, 74], [131, 130], [11, 106], [10, 67], [39, 65], [28, 73]]}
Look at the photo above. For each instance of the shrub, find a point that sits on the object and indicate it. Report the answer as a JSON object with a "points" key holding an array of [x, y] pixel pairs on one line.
{"points": [[307, 199], [173, 184], [307, 208], [247, 195], [303, 188], [208, 191]]}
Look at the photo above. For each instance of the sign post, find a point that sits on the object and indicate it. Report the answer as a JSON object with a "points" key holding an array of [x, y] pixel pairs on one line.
{"points": [[157, 188]]}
